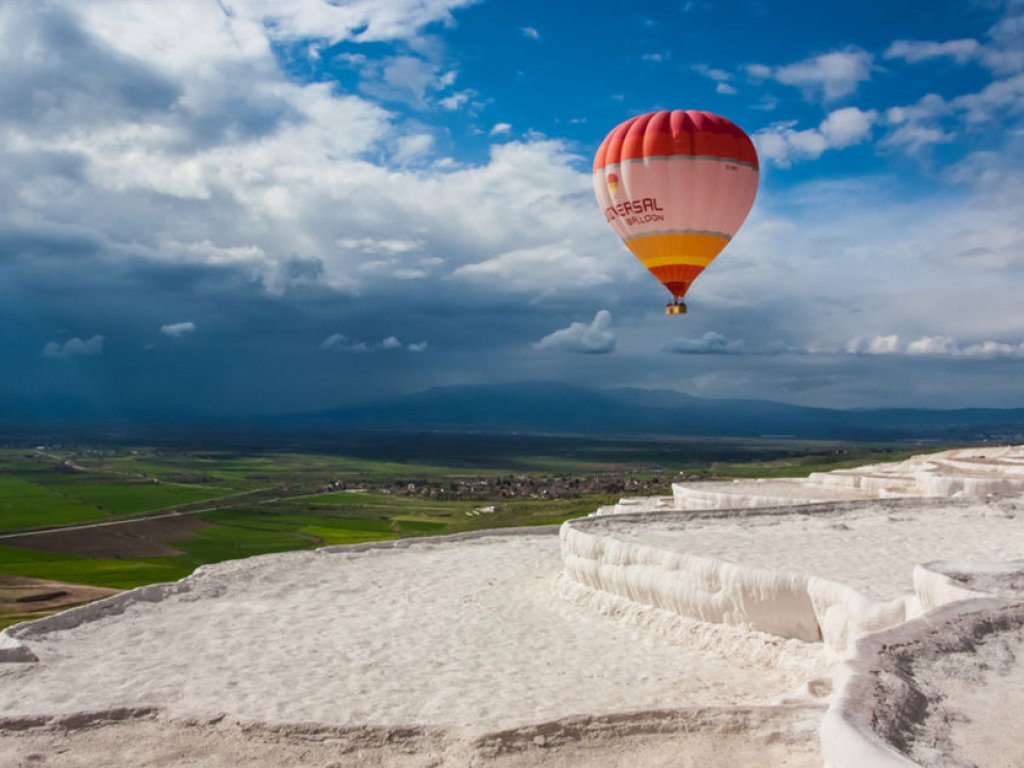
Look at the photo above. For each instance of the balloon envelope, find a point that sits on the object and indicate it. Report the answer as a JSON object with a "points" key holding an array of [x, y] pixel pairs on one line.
{"points": [[676, 186]]}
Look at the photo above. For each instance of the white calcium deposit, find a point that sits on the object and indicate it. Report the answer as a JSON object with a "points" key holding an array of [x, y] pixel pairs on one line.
{"points": [[708, 628], [463, 638], [945, 690], [971, 472], [832, 572]]}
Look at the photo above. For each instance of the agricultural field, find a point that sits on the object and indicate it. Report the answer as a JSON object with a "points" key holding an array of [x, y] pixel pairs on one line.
{"points": [[120, 517]]}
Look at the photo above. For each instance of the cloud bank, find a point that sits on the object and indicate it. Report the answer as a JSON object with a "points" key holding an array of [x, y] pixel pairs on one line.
{"points": [[594, 338]]}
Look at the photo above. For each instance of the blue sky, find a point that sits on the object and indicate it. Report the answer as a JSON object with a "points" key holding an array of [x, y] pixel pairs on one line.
{"points": [[249, 206]]}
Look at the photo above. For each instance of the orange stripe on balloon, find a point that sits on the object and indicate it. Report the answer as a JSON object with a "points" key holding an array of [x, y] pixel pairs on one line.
{"points": [[689, 248]]}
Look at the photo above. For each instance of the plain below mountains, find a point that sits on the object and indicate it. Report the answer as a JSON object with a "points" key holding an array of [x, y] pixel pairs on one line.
{"points": [[563, 409]]}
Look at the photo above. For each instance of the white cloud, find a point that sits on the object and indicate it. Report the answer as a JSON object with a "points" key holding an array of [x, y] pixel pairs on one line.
{"points": [[177, 330], [879, 345], [656, 58], [74, 347], [411, 80], [1004, 54], [848, 126], [719, 76], [936, 346], [712, 73], [759, 71], [373, 245], [933, 119], [828, 76], [932, 345], [338, 342], [457, 100], [1000, 95], [299, 169], [302, 185], [947, 347], [711, 343], [359, 20], [411, 149], [912, 51], [595, 338], [1001, 51], [501, 129], [530, 32], [782, 145], [545, 268]]}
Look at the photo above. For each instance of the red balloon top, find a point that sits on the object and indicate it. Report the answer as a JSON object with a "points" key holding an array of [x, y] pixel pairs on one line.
{"points": [[670, 134]]}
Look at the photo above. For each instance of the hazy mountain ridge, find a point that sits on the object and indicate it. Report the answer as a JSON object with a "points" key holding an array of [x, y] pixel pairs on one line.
{"points": [[560, 408]]}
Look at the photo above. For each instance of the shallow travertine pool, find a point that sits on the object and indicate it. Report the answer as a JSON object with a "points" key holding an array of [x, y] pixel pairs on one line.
{"points": [[872, 548], [628, 639], [465, 636]]}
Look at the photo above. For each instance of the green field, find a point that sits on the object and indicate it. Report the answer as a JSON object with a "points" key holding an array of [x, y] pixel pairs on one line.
{"points": [[244, 503]]}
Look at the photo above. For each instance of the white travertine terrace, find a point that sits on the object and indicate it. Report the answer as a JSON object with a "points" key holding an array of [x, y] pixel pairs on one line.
{"points": [[451, 651], [961, 472], [945, 689], [750, 601], [897, 579], [830, 572]]}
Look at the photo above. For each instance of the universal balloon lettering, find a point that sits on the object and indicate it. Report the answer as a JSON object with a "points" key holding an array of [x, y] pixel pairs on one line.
{"points": [[631, 207]]}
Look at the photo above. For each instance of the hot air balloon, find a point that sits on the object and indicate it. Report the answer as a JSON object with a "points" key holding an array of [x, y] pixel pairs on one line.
{"points": [[676, 186]]}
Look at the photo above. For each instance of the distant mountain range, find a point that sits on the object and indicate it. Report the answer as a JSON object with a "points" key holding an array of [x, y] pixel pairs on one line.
{"points": [[564, 409]]}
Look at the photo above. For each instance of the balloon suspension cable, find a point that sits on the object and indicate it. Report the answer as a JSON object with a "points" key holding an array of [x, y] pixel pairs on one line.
{"points": [[677, 307]]}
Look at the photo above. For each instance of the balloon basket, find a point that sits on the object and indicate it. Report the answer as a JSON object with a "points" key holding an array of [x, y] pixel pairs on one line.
{"points": [[678, 308]]}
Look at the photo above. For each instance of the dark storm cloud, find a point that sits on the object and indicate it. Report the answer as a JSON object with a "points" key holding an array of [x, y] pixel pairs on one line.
{"points": [[160, 178], [62, 71]]}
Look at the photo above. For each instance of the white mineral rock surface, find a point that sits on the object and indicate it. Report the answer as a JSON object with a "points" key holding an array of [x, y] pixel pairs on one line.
{"points": [[453, 641], [700, 629], [945, 691], [973, 472]]}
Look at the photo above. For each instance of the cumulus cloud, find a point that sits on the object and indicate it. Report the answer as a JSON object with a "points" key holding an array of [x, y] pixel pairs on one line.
{"points": [[828, 76], [719, 76], [594, 338], [547, 268], [782, 144], [932, 345], [711, 343], [149, 172], [362, 21], [410, 149], [177, 330], [457, 100], [530, 32], [74, 347], [1001, 51], [879, 345], [501, 129], [936, 346], [934, 119], [338, 342], [268, 179], [409, 79], [912, 51]]}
